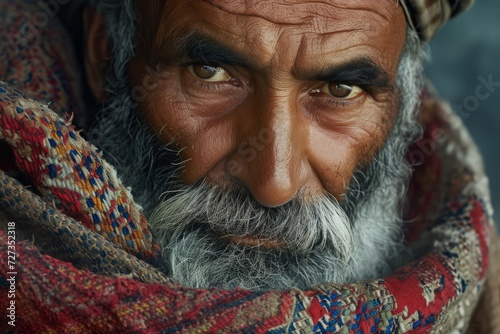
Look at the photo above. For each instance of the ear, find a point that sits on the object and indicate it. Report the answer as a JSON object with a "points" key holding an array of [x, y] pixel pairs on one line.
{"points": [[96, 54]]}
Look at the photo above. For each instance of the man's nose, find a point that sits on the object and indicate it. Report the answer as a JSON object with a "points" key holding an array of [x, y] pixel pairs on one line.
{"points": [[270, 157]]}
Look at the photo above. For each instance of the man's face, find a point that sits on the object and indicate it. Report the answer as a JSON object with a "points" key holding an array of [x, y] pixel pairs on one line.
{"points": [[285, 97], [277, 105]]}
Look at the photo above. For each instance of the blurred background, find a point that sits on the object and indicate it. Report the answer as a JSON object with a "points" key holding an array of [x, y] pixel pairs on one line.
{"points": [[468, 47]]}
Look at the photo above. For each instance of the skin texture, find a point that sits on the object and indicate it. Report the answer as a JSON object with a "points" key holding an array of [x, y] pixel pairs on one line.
{"points": [[271, 107], [272, 125]]}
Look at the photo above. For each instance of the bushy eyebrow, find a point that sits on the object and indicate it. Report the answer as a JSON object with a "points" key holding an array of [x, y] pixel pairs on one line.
{"points": [[196, 46], [360, 71]]}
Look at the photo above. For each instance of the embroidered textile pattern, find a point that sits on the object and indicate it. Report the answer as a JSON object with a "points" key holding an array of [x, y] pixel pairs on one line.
{"points": [[421, 296], [87, 269], [43, 66], [40, 57], [68, 171]]}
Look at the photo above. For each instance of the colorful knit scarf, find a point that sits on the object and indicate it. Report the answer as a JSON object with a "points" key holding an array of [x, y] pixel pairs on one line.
{"points": [[88, 262]]}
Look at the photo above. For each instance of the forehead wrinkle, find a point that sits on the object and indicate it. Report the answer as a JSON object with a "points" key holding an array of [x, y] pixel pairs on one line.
{"points": [[252, 33], [253, 12], [345, 12], [332, 10], [335, 19], [264, 39]]}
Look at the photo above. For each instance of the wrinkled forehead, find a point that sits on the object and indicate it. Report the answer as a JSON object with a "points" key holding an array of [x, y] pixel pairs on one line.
{"points": [[305, 13], [289, 28]]}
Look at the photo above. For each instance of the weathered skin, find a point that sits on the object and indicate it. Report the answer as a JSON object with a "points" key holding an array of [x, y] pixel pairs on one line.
{"points": [[273, 125]]}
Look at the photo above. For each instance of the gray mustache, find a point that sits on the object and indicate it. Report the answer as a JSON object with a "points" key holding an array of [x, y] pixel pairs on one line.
{"points": [[303, 227]]}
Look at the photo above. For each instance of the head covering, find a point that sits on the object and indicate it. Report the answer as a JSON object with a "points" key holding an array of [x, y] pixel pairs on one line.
{"points": [[427, 16]]}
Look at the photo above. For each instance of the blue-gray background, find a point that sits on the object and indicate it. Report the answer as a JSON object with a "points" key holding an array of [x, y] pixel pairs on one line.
{"points": [[466, 48]]}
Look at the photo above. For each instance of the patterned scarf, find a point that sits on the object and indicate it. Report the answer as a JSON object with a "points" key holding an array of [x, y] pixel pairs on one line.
{"points": [[427, 16], [89, 265]]}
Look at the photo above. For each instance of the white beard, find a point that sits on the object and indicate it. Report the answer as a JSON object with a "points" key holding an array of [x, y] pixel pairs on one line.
{"points": [[325, 241]]}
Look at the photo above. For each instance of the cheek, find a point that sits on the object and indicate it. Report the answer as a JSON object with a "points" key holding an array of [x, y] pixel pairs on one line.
{"points": [[179, 98], [197, 122], [334, 160], [337, 152]]}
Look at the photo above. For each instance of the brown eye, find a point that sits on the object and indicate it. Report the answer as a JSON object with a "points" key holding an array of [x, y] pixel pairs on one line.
{"points": [[204, 71], [209, 73], [341, 91]]}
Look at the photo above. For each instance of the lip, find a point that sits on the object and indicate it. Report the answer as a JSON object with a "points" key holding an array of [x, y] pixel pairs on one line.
{"points": [[256, 242]]}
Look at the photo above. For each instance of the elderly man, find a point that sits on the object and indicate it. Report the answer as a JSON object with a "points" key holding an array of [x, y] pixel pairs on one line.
{"points": [[290, 123], [269, 143]]}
